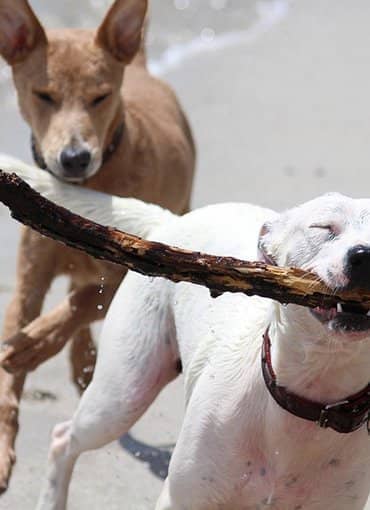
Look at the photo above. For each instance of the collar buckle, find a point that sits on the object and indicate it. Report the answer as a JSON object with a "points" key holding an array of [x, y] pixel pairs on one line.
{"points": [[324, 418], [323, 421]]}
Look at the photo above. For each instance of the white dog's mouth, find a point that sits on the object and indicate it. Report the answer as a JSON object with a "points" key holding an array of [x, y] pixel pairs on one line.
{"points": [[344, 318]]}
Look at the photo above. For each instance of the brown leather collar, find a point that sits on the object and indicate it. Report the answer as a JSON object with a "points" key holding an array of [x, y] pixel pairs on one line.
{"points": [[108, 153], [345, 416], [37, 157], [113, 146]]}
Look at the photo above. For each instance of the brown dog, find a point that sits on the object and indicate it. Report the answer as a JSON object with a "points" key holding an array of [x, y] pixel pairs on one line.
{"points": [[95, 121]]}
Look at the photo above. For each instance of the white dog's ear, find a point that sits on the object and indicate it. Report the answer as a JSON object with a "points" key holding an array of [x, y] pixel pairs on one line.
{"points": [[272, 242], [122, 30], [263, 244], [20, 30]]}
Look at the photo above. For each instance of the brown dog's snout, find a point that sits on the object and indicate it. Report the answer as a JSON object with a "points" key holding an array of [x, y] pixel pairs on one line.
{"points": [[75, 161], [358, 267]]}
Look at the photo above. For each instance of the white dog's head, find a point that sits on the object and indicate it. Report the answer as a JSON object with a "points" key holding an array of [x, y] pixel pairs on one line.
{"points": [[329, 236]]}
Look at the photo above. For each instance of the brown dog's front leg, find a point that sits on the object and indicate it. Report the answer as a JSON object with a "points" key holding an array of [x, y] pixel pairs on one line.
{"points": [[35, 270], [11, 387], [48, 334]]}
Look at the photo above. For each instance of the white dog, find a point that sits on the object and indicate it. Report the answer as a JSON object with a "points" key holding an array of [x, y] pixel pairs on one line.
{"points": [[239, 449]]}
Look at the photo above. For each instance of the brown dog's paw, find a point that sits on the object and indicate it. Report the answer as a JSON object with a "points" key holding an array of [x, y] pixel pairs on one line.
{"points": [[23, 361], [18, 352], [25, 351], [7, 460]]}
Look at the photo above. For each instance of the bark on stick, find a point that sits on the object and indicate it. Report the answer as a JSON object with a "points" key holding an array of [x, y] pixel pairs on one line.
{"points": [[219, 274]]}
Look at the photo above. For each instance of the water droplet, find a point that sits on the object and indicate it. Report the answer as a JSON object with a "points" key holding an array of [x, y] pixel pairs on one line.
{"points": [[100, 307], [81, 382], [208, 34]]}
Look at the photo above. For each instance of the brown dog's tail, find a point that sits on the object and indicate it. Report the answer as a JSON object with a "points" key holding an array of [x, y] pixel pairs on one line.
{"points": [[140, 58]]}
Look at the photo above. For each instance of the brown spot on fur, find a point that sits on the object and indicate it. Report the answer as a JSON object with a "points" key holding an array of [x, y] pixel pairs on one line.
{"points": [[334, 462]]}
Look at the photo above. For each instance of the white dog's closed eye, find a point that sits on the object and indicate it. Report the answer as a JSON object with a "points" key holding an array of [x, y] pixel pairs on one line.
{"points": [[331, 230]]}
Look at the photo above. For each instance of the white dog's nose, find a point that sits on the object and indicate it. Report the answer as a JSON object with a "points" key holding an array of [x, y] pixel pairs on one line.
{"points": [[358, 266]]}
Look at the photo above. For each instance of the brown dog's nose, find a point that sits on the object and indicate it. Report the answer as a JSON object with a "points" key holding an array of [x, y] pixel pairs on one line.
{"points": [[75, 161], [358, 266]]}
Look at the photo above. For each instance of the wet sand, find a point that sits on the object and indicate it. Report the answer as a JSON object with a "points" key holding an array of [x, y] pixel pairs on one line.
{"points": [[279, 101]]}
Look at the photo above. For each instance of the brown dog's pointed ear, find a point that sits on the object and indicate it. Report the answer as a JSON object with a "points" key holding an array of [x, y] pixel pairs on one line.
{"points": [[20, 30], [122, 30]]}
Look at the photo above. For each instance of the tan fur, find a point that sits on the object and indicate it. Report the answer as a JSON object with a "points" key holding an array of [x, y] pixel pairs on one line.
{"points": [[154, 162]]}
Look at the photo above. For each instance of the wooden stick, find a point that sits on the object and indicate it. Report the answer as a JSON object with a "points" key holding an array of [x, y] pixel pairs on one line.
{"points": [[219, 274]]}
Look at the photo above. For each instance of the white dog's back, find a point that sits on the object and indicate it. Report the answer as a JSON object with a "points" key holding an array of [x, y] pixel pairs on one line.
{"points": [[229, 229]]}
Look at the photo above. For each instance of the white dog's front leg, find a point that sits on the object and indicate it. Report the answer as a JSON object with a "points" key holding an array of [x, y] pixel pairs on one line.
{"points": [[60, 466], [136, 360]]}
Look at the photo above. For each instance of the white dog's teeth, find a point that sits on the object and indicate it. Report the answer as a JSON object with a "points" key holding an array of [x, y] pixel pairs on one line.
{"points": [[339, 308]]}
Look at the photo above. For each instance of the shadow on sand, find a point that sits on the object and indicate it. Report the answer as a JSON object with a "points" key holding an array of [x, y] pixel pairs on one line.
{"points": [[157, 458]]}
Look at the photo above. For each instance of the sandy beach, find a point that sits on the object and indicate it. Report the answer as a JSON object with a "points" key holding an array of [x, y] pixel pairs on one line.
{"points": [[277, 92]]}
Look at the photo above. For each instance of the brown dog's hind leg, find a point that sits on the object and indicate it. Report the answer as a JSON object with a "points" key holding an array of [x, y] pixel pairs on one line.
{"points": [[83, 358], [35, 270], [82, 354]]}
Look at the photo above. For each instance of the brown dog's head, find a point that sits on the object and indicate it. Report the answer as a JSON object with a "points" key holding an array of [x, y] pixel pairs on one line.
{"points": [[68, 82]]}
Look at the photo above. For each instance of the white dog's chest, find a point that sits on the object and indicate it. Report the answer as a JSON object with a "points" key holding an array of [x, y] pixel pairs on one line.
{"points": [[331, 487], [306, 471]]}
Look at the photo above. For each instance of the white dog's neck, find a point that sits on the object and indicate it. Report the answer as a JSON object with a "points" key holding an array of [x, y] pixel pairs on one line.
{"points": [[313, 365]]}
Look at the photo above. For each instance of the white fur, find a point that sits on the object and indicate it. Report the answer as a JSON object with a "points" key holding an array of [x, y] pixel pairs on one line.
{"points": [[136, 217], [237, 449]]}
